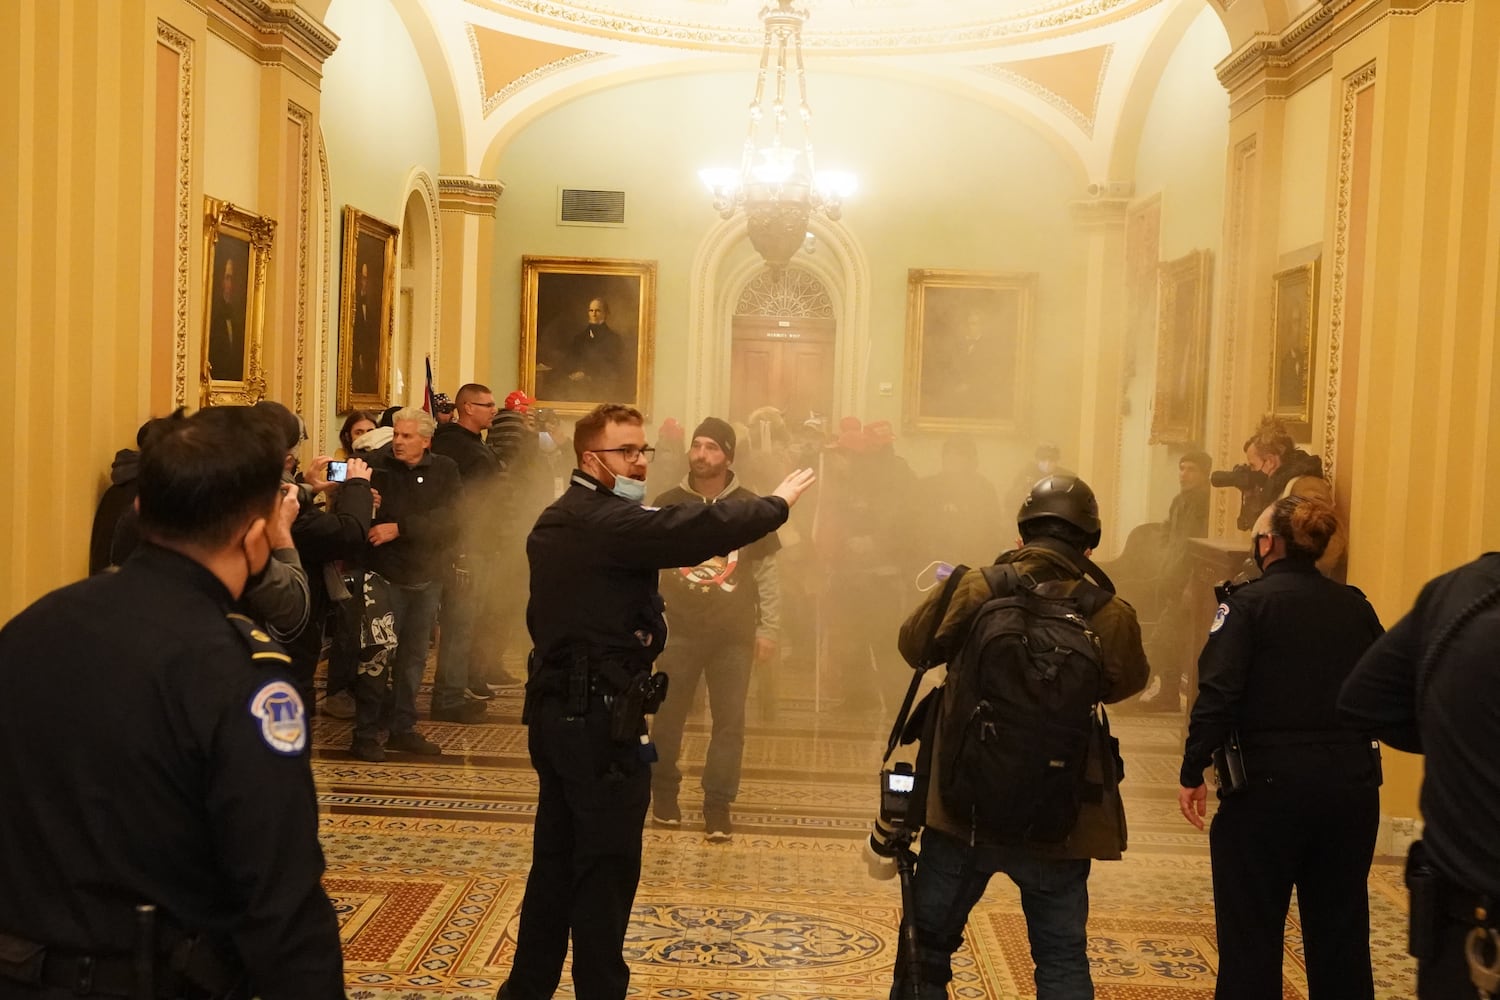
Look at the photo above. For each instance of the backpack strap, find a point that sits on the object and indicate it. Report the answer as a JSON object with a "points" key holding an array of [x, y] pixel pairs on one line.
{"points": [[931, 659], [1005, 580]]}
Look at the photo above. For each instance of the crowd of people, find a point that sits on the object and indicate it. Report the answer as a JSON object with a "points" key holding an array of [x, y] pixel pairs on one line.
{"points": [[225, 570]]}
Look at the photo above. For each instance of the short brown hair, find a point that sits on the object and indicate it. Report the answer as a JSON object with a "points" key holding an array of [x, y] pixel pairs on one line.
{"points": [[469, 390], [590, 426]]}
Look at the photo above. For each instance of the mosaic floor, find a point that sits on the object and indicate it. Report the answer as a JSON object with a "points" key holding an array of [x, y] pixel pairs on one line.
{"points": [[427, 860]]}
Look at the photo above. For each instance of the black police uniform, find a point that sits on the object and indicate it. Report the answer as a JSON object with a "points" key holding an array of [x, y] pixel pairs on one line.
{"points": [[153, 751], [596, 620], [1279, 649], [1452, 715]]}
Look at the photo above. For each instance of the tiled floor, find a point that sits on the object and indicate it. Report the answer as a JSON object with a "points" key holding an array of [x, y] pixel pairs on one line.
{"points": [[427, 860]]}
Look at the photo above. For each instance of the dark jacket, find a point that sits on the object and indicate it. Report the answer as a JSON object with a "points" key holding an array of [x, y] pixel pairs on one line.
{"points": [[477, 464], [594, 562], [324, 537], [1451, 714], [1277, 653], [1100, 830], [164, 785], [422, 501], [733, 596], [117, 503]]}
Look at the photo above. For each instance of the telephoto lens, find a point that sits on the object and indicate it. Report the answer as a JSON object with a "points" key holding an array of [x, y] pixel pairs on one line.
{"points": [[880, 852]]}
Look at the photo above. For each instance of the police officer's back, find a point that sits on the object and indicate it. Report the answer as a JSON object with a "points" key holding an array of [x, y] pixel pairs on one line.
{"points": [[1299, 793], [153, 752], [1431, 685]]}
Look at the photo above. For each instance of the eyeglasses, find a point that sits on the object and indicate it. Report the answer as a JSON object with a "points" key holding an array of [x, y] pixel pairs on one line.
{"points": [[630, 453], [488, 406]]}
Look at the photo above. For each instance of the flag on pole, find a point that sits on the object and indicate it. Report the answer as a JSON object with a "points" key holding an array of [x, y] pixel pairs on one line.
{"points": [[427, 403]]}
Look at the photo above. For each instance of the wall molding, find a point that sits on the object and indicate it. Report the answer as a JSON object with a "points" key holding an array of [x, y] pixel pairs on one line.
{"points": [[274, 33], [1354, 84], [302, 119], [181, 44], [468, 194], [1242, 175], [326, 195]]}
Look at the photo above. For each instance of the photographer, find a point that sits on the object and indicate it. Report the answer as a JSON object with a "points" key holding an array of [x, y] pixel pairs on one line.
{"points": [[1272, 462], [1299, 795], [1059, 526]]}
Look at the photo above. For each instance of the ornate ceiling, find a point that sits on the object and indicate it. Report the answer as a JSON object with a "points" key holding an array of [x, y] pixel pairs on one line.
{"points": [[867, 27]]}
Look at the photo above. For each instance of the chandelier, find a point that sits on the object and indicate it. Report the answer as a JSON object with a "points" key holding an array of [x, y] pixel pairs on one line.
{"points": [[776, 184]]}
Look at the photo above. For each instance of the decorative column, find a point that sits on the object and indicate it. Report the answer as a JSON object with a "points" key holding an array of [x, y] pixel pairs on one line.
{"points": [[466, 206], [1102, 364]]}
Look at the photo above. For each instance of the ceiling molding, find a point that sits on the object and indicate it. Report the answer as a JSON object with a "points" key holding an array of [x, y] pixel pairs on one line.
{"points": [[507, 63], [1071, 82]]}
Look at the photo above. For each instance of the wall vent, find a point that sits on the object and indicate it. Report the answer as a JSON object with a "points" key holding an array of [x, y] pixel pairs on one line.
{"points": [[583, 207]]}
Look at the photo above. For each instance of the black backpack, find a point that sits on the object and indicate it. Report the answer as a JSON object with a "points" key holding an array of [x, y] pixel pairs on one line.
{"points": [[1019, 709]]}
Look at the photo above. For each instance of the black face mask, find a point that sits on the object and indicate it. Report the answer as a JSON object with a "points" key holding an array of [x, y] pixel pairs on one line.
{"points": [[1260, 560]]}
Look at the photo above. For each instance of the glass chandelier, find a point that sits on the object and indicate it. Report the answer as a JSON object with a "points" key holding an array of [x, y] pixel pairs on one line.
{"points": [[776, 184]]}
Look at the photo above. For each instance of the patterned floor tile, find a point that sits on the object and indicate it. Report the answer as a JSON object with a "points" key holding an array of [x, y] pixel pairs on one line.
{"points": [[427, 863]]}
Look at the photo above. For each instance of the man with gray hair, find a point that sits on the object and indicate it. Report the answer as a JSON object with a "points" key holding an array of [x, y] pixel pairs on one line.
{"points": [[411, 547]]}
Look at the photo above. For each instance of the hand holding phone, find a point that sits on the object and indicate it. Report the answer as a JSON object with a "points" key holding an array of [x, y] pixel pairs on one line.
{"points": [[337, 471]]}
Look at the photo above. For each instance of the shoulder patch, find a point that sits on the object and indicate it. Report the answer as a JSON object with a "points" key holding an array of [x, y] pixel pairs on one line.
{"points": [[283, 719], [1219, 617]]}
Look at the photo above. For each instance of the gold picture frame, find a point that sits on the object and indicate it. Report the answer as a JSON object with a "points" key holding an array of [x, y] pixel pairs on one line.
{"points": [[575, 356], [968, 337], [1184, 317], [1294, 346], [367, 292], [236, 254]]}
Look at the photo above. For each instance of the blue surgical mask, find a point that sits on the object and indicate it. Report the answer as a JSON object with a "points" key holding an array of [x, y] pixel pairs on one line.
{"points": [[545, 442], [633, 490]]}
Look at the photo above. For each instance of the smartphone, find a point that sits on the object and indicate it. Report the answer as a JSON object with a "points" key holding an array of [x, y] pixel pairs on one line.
{"points": [[337, 471]]}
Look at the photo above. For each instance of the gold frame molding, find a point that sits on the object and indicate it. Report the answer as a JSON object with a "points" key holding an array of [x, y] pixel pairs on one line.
{"points": [[357, 224], [258, 232], [1179, 415], [532, 309], [920, 282], [1303, 278]]}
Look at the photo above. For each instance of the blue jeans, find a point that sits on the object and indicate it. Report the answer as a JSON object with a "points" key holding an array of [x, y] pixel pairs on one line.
{"points": [[725, 663], [951, 878], [416, 609]]}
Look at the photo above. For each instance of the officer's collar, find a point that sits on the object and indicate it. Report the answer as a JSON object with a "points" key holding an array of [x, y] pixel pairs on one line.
{"points": [[166, 562], [1291, 564]]}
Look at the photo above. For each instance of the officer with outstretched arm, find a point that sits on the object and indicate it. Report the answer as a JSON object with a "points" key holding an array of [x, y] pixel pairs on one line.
{"points": [[596, 622]]}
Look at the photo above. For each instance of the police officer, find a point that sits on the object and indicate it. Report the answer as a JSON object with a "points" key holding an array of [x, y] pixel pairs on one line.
{"points": [[1299, 800], [596, 624], [1431, 685], [177, 775], [1059, 525]]}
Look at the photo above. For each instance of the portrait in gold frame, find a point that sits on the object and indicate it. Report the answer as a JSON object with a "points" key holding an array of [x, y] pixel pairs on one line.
{"points": [[236, 262], [1294, 346], [1184, 315], [367, 290], [967, 339], [574, 355]]}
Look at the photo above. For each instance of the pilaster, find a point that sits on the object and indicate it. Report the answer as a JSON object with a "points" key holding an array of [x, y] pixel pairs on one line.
{"points": [[466, 210]]}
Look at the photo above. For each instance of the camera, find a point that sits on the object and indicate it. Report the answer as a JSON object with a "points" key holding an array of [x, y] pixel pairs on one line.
{"points": [[896, 787], [1241, 477], [337, 471]]}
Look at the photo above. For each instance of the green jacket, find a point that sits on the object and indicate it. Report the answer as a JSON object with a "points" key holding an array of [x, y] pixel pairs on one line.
{"points": [[1100, 831]]}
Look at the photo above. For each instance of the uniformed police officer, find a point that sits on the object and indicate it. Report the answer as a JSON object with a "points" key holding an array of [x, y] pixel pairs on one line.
{"points": [[1299, 800], [153, 753], [596, 624], [1431, 685]]}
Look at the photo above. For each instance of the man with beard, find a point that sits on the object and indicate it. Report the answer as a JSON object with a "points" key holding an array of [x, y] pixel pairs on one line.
{"points": [[726, 615]]}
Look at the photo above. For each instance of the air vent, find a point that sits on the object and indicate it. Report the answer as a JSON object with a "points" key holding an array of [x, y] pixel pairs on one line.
{"points": [[581, 207]]}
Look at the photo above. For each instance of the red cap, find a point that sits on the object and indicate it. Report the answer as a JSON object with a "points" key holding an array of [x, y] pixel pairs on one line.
{"points": [[518, 401], [881, 432], [848, 425], [671, 429]]}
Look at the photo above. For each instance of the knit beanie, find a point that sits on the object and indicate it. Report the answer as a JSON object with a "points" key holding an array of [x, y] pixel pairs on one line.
{"points": [[719, 432]]}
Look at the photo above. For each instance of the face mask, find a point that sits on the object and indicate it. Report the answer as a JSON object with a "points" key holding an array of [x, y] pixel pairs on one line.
{"points": [[633, 490], [254, 576], [1260, 560], [545, 442]]}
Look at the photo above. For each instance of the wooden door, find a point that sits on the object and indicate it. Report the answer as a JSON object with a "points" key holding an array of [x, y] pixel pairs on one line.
{"points": [[785, 363]]}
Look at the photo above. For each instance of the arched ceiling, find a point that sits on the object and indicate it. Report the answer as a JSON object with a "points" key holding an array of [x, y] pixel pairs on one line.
{"points": [[1068, 67]]}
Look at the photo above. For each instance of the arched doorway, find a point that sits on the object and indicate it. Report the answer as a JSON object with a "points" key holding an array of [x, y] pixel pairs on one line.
{"points": [[783, 340]]}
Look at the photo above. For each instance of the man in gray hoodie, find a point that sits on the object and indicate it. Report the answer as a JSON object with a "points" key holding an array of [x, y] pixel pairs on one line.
{"points": [[725, 617]]}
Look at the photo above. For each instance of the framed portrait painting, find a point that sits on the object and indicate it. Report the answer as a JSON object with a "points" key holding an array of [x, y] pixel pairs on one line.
{"points": [[1183, 316], [1294, 347], [367, 290], [588, 331], [236, 255], [967, 335]]}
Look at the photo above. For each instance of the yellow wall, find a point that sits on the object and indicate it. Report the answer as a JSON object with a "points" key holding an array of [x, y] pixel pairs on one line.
{"points": [[1180, 160], [944, 183], [1304, 169], [231, 141]]}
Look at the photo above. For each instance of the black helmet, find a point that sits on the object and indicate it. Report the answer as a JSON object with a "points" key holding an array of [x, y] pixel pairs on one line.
{"points": [[1067, 498]]}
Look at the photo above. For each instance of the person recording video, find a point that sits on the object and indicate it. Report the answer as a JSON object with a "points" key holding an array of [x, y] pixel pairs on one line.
{"points": [[1299, 800], [1012, 812], [1272, 462]]}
